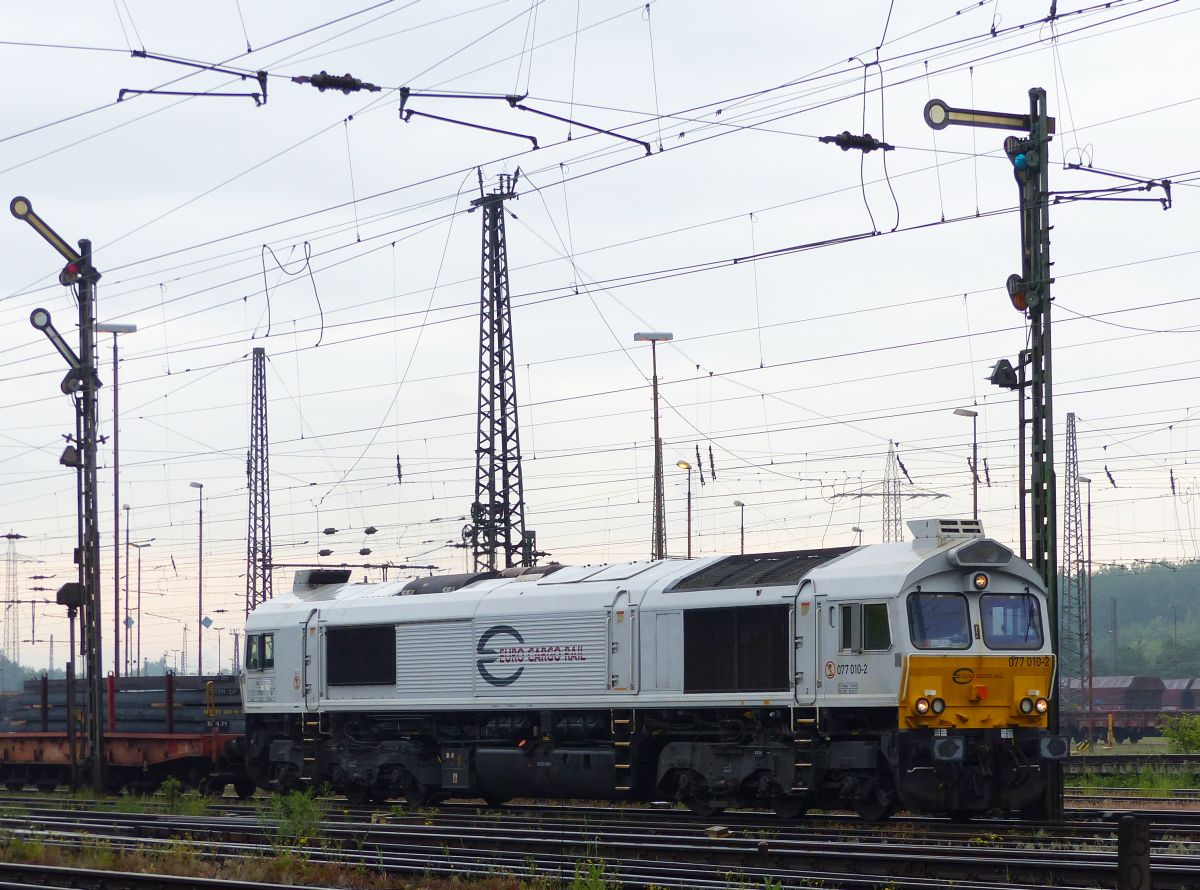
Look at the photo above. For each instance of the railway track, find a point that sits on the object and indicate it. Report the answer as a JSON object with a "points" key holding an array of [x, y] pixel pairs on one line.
{"points": [[1118, 764], [635, 846]]}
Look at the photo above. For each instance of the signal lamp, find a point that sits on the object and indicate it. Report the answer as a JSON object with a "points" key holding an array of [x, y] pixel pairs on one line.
{"points": [[1041, 706], [1017, 292], [1026, 706], [980, 581], [921, 706], [938, 705], [70, 273]]}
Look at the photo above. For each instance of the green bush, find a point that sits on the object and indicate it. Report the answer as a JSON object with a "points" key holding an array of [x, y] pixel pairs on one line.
{"points": [[1183, 732]]}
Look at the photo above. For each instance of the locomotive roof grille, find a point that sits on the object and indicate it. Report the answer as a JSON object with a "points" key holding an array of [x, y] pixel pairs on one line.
{"points": [[759, 569], [982, 553], [444, 583], [309, 579]]}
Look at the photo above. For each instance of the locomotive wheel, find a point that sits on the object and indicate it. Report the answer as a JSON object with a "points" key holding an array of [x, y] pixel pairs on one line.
{"points": [[700, 804], [357, 795], [787, 807], [495, 800], [244, 788]]}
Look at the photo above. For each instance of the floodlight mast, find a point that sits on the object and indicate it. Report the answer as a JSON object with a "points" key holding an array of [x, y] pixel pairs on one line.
{"points": [[116, 328]]}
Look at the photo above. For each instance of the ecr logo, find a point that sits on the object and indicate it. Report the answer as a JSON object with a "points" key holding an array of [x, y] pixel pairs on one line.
{"points": [[489, 656], [963, 676]]}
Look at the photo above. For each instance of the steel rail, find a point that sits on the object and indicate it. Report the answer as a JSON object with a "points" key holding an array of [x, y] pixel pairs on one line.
{"points": [[428, 846]]}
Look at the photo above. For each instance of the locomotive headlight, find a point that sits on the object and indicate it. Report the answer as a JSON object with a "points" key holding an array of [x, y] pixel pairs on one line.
{"points": [[980, 581], [1041, 706], [921, 706], [1026, 706], [937, 705]]}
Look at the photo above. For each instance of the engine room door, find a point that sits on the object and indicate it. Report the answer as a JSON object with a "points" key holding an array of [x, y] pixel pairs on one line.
{"points": [[805, 658], [622, 633], [310, 661]]}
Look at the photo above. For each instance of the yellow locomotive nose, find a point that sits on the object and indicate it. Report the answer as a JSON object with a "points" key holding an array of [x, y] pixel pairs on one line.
{"points": [[974, 691]]}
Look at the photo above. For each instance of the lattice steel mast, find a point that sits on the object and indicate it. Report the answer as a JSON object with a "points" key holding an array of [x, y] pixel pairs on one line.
{"points": [[258, 484], [1074, 624], [890, 493], [497, 531], [893, 519]]}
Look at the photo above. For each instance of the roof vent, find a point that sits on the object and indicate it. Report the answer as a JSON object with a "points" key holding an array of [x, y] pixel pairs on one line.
{"points": [[443, 583], [981, 554], [945, 530], [309, 579]]}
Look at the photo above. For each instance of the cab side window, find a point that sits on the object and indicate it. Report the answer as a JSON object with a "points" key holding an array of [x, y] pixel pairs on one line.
{"points": [[877, 634], [864, 627], [260, 651]]}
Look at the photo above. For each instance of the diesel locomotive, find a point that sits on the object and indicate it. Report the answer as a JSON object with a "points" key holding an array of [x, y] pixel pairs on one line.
{"points": [[914, 674]]}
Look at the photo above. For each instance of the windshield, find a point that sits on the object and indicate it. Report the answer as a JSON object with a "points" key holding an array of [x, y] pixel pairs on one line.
{"points": [[1011, 621], [939, 621]]}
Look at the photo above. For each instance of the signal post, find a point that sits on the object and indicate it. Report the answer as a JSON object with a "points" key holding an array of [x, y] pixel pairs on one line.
{"points": [[82, 384], [1029, 292]]}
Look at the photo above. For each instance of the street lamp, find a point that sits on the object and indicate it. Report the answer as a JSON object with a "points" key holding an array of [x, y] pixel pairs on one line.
{"points": [[858, 532], [139, 604], [974, 415], [115, 329], [200, 587], [684, 465], [658, 545], [742, 523]]}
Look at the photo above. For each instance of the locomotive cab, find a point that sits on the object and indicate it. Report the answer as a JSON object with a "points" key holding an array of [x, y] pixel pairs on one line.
{"points": [[976, 683]]}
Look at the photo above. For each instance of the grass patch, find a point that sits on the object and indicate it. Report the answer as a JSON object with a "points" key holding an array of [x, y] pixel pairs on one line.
{"points": [[1147, 780]]}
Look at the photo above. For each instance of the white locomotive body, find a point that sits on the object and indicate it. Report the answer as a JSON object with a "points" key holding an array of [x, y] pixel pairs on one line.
{"points": [[911, 673]]}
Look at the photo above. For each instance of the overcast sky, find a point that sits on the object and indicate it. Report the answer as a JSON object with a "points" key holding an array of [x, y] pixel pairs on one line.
{"points": [[796, 370]]}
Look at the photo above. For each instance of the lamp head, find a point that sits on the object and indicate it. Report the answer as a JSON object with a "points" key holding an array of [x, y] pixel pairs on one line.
{"points": [[738, 504], [683, 465], [1004, 375], [70, 457], [966, 412], [196, 484], [1085, 479], [652, 336], [113, 327]]}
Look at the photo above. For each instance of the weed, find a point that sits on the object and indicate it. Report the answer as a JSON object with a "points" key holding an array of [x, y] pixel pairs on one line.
{"points": [[297, 818], [589, 875]]}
